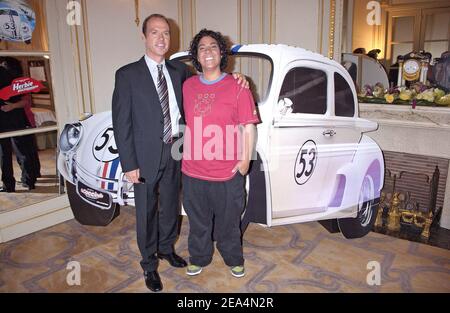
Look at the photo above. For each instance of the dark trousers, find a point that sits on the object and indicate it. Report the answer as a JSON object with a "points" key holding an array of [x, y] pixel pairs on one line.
{"points": [[23, 145], [214, 210], [28, 158], [34, 157], [9, 182], [157, 228]]}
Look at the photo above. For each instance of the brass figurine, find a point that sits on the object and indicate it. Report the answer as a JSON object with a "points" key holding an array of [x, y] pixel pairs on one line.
{"points": [[426, 229], [394, 214], [408, 216], [379, 220]]}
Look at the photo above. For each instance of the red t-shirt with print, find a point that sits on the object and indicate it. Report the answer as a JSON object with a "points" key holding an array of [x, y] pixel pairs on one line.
{"points": [[213, 112]]}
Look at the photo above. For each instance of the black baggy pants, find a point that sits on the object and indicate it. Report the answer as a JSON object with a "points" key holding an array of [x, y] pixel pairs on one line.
{"points": [[214, 211]]}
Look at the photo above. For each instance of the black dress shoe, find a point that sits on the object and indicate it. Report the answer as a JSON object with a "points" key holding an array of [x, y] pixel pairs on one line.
{"points": [[173, 259], [4, 189], [152, 281]]}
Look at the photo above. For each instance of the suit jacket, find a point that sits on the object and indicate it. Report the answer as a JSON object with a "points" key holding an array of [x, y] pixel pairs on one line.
{"points": [[137, 115]]}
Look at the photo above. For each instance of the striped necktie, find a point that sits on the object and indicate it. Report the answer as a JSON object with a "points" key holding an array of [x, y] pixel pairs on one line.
{"points": [[164, 99]]}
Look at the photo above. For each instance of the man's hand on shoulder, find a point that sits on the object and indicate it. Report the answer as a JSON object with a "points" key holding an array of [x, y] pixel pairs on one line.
{"points": [[241, 80]]}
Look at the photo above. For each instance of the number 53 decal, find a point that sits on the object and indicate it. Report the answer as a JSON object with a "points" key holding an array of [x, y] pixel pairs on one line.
{"points": [[104, 147], [306, 162]]}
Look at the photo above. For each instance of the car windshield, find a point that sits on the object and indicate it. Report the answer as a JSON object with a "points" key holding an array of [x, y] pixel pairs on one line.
{"points": [[257, 68]]}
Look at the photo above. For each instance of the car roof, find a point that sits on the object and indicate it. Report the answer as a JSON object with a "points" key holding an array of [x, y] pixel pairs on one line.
{"points": [[279, 53], [276, 51]]}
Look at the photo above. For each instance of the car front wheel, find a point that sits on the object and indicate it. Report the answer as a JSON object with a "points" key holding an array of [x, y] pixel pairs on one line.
{"points": [[367, 211]]}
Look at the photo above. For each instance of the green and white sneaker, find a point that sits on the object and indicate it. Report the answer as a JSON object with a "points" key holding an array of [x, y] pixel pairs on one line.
{"points": [[238, 271], [193, 270]]}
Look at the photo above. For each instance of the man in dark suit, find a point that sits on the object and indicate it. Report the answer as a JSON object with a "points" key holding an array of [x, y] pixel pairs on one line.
{"points": [[147, 111]]}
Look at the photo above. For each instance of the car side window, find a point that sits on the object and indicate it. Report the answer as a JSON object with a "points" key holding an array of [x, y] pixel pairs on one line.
{"points": [[307, 89], [343, 97]]}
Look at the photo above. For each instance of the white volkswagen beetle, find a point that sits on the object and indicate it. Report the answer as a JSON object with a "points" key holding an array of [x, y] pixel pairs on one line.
{"points": [[313, 161]]}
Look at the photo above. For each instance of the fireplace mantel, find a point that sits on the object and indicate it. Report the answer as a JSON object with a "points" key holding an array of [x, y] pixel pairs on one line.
{"points": [[422, 117], [423, 130]]}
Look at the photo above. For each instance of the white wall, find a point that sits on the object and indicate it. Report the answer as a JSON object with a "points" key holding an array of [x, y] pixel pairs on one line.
{"points": [[297, 23], [115, 40], [220, 16]]}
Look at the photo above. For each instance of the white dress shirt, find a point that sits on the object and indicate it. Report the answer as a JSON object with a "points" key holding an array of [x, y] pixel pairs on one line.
{"points": [[173, 105]]}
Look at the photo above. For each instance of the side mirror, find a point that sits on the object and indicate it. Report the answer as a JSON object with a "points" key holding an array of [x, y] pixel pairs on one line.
{"points": [[285, 106]]}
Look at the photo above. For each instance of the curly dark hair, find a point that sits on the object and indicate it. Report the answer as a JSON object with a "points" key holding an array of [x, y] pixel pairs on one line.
{"points": [[222, 46]]}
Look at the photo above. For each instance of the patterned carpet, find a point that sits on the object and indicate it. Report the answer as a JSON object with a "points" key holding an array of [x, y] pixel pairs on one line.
{"points": [[46, 186], [294, 258]]}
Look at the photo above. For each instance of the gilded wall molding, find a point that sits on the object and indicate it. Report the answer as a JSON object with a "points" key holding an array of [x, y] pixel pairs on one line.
{"points": [[331, 23], [272, 14], [193, 18], [338, 28], [335, 22], [261, 24], [239, 21], [136, 11], [180, 23], [239, 26]]}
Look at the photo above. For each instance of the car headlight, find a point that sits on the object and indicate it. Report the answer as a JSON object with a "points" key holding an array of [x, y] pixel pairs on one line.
{"points": [[70, 137]]}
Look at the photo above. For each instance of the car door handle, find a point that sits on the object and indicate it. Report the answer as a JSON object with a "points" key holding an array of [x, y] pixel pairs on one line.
{"points": [[329, 133]]}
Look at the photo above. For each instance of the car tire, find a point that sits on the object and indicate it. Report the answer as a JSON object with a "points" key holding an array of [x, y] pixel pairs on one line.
{"points": [[367, 208], [28, 41]]}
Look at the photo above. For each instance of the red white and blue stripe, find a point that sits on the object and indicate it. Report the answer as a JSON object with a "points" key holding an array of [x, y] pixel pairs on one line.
{"points": [[109, 170]]}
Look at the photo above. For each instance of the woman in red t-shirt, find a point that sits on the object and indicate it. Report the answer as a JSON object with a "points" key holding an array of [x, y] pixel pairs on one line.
{"points": [[215, 162]]}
